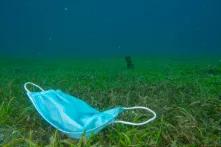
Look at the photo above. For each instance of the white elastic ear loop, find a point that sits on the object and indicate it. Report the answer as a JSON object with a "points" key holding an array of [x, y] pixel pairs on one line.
{"points": [[30, 83], [137, 124]]}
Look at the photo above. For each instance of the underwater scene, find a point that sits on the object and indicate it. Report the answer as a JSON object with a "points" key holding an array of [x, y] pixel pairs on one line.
{"points": [[110, 73]]}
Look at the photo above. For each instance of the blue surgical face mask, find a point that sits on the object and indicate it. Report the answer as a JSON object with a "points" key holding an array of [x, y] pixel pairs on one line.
{"points": [[73, 116]]}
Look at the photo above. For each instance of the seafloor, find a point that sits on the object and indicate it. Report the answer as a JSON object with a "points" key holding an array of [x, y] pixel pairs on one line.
{"points": [[184, 92]]}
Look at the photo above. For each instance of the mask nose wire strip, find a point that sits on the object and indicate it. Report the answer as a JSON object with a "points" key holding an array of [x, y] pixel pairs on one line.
{"points": [[137, 124], [30, 83]]}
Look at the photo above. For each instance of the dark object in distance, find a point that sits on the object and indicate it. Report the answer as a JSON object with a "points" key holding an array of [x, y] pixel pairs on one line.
{"points": [[129, 62]]}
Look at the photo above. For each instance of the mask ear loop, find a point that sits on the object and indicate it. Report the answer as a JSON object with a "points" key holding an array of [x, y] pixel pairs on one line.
{"points": [[30, 83], [137, 124]]}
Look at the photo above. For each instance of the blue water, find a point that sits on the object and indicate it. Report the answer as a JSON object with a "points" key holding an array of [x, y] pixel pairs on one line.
{"points": [[109, 27]]}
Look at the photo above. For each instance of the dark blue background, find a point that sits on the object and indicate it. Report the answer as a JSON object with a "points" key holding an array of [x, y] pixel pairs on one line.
{"points": [[109, 27]]}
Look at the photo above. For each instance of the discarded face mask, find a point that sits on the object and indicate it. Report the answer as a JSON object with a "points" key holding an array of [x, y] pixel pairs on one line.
{"points": [[73, 116]]}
